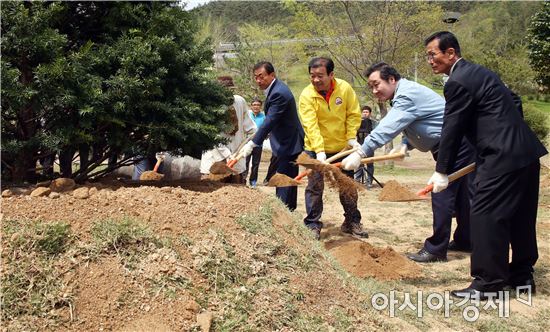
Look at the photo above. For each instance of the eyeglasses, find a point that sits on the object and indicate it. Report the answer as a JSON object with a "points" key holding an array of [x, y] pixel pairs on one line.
{"points": [[260, 76], [430, 56]]}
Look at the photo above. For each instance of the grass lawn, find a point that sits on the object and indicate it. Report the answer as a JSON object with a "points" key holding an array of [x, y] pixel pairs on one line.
{"points": [[541, 105]]}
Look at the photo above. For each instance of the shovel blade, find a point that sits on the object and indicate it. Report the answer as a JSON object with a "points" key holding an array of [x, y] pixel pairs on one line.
{"points": [[281, 180], [221, 168]]}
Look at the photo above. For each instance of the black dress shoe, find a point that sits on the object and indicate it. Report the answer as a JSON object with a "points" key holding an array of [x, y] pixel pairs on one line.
{"points": [[469, 293], [525, 286], [454, 246], [425, 257]]}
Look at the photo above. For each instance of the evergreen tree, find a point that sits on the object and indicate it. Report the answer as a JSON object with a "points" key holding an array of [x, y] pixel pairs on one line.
{"points": [[539, 45], [124, 78]]}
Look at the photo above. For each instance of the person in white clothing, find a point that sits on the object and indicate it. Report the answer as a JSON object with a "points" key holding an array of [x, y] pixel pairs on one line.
{"points": [[244, 126]]}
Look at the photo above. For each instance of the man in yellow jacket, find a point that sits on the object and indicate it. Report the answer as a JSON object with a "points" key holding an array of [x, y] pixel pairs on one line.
{"points": [[330, 115]]}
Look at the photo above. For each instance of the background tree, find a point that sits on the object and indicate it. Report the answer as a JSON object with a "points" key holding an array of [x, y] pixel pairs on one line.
{"points": [[493, 35], [120, 77], [539, 45], [357, 34], [264, 43]]}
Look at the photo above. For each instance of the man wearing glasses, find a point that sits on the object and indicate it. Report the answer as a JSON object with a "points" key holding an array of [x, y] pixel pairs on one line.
{"points": [[504, 207], [418, 112]]}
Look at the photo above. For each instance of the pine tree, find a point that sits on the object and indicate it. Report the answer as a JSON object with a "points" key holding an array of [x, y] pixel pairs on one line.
{"points": [[125, 78], [539, 45]]}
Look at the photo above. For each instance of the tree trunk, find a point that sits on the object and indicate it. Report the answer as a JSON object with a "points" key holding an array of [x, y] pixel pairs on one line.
{"points": [[27, 124], [24, 168]]}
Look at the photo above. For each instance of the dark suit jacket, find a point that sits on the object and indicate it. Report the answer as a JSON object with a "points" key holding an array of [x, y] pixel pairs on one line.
{"points": [[480, 107], [287, 134]]}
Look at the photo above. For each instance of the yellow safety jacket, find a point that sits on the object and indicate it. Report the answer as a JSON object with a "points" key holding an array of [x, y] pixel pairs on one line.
{"points": [[329, 126]]}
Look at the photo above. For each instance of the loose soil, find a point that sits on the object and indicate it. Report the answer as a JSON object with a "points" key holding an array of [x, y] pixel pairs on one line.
{"points": [[221, 168], [332, 175], [282, 180], [203, 222], [151, 176], [364, 260], [395, 192]]}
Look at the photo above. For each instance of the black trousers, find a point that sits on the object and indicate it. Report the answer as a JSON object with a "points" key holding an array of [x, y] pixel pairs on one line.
{"points": [[289, 195], [504, 213], [256, 156], [314, 198], [455, 200]]}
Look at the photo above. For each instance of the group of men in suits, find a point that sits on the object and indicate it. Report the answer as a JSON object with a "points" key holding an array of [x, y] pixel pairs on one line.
{"points": [[479, 111]]}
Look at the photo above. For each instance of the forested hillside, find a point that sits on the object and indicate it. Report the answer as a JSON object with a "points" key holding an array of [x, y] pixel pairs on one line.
{"points": [[356, 34]]}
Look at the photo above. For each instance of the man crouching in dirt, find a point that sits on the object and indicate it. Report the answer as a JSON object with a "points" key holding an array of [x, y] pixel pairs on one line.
{"points": [[330, 115], [418, 112]]}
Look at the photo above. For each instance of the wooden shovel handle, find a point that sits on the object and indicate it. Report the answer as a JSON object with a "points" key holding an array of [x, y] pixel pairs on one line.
{"points": [[461, 172], [328, 161], [243, 143], [238, 155], [340, 155], [157, 165], [371, 160], [458, 174]]}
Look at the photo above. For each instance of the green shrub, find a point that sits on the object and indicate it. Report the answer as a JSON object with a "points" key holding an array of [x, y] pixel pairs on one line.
{"points": [[537, 121]]}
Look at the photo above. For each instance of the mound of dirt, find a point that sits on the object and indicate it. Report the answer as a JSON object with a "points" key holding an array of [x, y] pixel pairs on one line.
{"points": [[214, 249], [363, 260], [395, 192]]}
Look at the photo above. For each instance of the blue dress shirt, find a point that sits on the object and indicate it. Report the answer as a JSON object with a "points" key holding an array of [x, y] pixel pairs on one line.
{"points": [[417, 111]]}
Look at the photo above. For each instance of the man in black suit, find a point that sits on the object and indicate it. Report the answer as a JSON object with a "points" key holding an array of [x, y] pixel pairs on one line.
{"points": [[287, 135], [504, 208], [367, 125]]}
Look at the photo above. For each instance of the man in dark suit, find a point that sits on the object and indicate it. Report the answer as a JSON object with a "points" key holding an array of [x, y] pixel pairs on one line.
{"points": [[367, 125], [504, 208], [287, 135]]}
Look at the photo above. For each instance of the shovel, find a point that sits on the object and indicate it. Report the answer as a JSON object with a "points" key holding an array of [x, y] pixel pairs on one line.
{"points": [[458, 174], [226, 168], [153, 175], [282, 180]]}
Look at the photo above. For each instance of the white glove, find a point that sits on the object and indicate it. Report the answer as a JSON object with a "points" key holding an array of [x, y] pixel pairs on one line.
{"points": [[160, 155], [402, 149], [440, 182], [321, 156], [353, 143], [353, 161], [247, 149]]}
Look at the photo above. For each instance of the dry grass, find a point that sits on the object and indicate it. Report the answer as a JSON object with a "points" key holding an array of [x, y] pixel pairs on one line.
{"points": [[33, 264]]}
